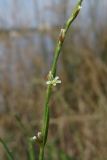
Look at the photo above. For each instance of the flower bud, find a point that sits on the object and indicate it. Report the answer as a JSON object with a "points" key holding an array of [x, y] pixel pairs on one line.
{"points": [[62, 35]]}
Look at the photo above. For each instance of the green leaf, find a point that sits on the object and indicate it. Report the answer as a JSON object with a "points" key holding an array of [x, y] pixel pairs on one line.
{"points": [[9, 153]]}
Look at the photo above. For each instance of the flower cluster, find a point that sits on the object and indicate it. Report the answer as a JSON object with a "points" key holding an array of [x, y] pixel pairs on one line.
{"points": [[51, 80], [37, 138]]}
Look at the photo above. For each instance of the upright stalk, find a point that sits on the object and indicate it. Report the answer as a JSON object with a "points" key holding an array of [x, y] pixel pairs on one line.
{"points": [[53, 79]]}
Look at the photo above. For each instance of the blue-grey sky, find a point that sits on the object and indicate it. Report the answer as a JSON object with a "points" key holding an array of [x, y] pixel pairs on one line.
{"points": [[29, 13], [16, 12]]}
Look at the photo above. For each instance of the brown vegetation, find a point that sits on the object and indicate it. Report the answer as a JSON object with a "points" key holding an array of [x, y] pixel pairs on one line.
{"points": [[78, 122]]}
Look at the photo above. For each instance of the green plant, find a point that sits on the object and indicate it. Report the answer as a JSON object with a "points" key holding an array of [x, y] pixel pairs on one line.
{"points": [[41, 137], [53, 79]]}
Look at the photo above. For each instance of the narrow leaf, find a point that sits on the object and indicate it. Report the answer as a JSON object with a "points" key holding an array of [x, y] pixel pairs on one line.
{"points": [[9, 153]]}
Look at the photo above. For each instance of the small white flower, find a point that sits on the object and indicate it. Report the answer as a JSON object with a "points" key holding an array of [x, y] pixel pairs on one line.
{"points": [[34, 138], [39, 135], [53, 81], [56, 80]]}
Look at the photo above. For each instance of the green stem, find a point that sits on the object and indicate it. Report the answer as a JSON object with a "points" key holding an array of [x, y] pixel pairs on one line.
{"points": [[31, 149], [53, 70], [41, 154]]}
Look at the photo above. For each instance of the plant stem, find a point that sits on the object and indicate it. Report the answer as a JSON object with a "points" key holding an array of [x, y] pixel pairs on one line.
{"points": [[41, 154], [53, 71], [31, 149]]}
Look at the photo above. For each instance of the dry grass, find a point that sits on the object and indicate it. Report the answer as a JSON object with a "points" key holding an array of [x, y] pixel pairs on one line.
{"points": [[78, 109]]}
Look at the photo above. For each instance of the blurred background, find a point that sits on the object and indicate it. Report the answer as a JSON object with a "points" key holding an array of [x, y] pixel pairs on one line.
{"points": [[29, 30]]}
